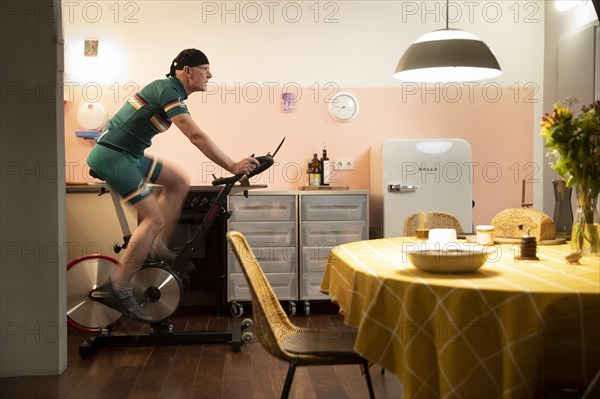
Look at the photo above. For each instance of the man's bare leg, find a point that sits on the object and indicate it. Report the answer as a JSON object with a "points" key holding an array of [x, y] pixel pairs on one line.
{"points": [[138, 248], [170, 199]]}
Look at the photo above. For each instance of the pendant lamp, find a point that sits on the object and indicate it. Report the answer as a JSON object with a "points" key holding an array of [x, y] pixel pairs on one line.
{"points": [[447, 55]]}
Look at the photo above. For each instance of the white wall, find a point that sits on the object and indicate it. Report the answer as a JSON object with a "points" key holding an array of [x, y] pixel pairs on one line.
{"points": [[350, 43]]}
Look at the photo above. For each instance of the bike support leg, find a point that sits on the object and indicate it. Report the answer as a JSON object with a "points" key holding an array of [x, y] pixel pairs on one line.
{"points": [[160, 336]]}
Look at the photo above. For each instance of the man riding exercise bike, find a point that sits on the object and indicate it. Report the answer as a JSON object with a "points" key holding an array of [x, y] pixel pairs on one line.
{"points": [[118, 158]]}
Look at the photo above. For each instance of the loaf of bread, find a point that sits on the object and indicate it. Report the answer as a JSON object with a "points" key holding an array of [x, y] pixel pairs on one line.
{"points": [[535, 222]]}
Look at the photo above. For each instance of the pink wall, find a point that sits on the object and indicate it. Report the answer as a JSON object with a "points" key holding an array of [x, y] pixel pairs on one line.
{"points": [[496, 122]]}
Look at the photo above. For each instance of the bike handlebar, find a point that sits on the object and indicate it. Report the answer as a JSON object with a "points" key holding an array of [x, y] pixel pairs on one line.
{"points": [[265, 162]]}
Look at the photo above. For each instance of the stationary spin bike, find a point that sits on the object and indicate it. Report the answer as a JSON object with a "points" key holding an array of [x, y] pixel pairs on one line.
{"points": [[157, 285]]}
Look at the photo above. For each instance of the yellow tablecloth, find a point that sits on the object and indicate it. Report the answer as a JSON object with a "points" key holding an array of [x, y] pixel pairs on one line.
{"points": [[501, 331]]}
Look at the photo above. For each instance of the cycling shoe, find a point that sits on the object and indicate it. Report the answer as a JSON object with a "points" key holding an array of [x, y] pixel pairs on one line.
{"points": [[127, 303]]}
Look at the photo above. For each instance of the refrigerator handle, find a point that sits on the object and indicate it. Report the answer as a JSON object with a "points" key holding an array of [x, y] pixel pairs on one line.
{"points": [[402, 187]]}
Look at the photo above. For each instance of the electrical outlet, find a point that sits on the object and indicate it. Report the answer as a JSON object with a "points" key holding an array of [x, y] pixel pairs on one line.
{"points": [[343, 164]]}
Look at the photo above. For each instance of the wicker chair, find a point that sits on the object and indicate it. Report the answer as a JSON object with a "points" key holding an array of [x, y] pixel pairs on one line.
{"points": [[284, 340], [435, 220]]}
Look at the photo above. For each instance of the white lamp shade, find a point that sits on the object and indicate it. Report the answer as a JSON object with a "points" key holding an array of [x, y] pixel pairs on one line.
{"points": [[566, 5], [447, 55]]}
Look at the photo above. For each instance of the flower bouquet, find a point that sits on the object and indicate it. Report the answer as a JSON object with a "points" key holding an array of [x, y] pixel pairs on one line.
{"points": [[574, 144]]}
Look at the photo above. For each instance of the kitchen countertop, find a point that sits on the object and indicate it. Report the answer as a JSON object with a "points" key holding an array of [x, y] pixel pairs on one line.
{"points": [[86, 187], [96, 187]]}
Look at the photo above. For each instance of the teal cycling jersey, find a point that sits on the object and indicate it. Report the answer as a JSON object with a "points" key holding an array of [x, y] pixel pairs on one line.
{"points": [[144, 115]]}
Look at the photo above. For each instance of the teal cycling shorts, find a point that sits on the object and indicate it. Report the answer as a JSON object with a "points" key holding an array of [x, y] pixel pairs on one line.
{"points": [[128, 175]]}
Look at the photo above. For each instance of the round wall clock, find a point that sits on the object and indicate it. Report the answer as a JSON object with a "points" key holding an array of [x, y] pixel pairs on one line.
{"points": [[343, 107]]}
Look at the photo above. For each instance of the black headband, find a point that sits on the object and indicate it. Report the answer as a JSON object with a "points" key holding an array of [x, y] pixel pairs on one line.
{"points": [[189, 57]]}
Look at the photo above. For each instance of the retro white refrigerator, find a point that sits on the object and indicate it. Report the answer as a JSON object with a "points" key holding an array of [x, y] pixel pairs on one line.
{"points": [[409, 176]]}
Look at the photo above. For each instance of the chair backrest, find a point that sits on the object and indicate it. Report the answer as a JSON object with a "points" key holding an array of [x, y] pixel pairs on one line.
{"points": [[435, 220], [272, 323]]}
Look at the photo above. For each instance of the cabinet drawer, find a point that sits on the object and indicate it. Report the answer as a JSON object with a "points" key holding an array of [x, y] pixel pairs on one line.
{"points": [[284, 285], [262, 207], [264, 234], [310, 287], [334, 207], [314, 259], [272, 259], [327, 234]]}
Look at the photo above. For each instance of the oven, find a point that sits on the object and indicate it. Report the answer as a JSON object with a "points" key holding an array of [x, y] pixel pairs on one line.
{"points": [[210, 259]]}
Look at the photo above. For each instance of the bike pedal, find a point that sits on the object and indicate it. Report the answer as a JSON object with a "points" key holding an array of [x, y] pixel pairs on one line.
{"points": [[185, 281]]}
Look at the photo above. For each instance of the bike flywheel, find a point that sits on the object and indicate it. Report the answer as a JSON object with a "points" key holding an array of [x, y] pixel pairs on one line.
{"points": [[84, 275], [158, 290]]}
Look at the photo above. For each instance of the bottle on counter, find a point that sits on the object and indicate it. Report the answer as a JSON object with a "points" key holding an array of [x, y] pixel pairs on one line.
{"points": [[314, 171], [325, 165]]}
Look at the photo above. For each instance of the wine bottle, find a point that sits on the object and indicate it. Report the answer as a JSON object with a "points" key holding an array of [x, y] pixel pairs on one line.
{"points": [[325, 168], [315, 168]]}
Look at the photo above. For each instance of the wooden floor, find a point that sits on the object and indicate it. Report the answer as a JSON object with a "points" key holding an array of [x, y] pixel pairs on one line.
{"points": [[197, 370]]}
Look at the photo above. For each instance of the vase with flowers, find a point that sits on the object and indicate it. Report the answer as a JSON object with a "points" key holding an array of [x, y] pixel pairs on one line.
{"points": [[573, 142]]}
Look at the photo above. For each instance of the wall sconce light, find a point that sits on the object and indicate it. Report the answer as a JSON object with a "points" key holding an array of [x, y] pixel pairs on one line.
{"points": [[86, 62], [92, 118]]}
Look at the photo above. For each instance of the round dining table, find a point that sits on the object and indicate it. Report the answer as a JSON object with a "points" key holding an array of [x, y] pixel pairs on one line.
{"points": [[510, 329]]}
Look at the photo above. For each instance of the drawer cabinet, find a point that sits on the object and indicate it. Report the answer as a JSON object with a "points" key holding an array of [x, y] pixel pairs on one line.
{"points": [[291, 235], [268, 221], [327, 220]]}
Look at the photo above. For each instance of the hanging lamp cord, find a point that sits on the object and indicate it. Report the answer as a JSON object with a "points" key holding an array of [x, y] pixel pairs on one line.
{"points": [[447, 13]]}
